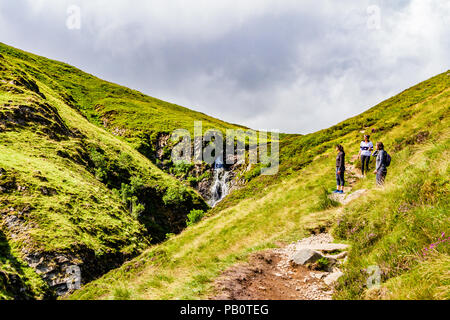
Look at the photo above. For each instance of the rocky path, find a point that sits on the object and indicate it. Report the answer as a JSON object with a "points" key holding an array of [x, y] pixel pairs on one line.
{"points": [[304, 270]]}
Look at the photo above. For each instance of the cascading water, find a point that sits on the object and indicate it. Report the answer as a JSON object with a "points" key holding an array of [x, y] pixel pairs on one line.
{"points": [[219, 187]]}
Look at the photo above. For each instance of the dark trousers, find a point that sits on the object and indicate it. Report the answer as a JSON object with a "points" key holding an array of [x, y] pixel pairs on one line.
{"points": [[365, 163], [381, 176], [340, 178]]}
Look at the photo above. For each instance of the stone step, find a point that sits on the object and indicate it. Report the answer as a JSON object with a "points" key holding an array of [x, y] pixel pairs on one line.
{"points": [[324, 247], [333, 277], [304, 256]]}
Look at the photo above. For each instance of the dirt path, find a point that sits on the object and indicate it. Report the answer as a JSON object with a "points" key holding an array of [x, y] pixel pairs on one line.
{"points": [[283, 274], [273, 275]]}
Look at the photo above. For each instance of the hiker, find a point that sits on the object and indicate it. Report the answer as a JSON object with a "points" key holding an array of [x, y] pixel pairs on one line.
{"points": [[383, 161], [340, 169], [365, 151]]}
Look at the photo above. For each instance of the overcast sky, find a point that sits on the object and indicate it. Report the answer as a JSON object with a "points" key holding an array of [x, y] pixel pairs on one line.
{"points": [[297, 66]]}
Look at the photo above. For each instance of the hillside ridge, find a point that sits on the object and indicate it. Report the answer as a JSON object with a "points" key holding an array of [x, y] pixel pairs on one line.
{"points": [[87, 184], [386, 228], [72, 194]]}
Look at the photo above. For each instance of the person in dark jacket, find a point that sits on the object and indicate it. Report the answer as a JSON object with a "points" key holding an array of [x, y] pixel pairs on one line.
{"points": [[380, 170], [340, 169]]}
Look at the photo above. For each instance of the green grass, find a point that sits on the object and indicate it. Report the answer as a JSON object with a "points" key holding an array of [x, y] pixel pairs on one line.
{"points": [[427, 280], [131, 116], [89, 144], [63, 174], [111, 105], [287, 206], [17, 280], [396, 223]]}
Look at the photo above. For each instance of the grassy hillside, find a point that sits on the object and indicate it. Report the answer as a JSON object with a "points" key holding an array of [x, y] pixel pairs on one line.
{"points": [[144, 122], [136, 117], [387, 227], [71, 192]]}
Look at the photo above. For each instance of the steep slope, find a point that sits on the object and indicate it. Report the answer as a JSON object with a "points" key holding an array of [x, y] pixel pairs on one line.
{"points": [[387, 227], [145, 122], [121, 109], [71, 193]]}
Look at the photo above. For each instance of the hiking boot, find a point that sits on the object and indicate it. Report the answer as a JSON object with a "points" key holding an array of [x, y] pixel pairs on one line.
{"points": [[336, 191]]}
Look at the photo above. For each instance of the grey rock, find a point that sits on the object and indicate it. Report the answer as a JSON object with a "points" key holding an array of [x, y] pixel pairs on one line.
{"points": [[331, 259], [326, 247], [43, 268], [277, 274], [341, 255], [12, 221], [318, 275], [354, 195], [332, 277], [304, 256], [61, 259]]}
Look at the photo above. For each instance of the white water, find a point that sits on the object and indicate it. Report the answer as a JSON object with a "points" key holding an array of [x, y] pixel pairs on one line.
{"points": [[219, 187]]}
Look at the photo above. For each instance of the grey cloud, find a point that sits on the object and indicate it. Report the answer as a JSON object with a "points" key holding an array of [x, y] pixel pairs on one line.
{"points": [[297, 66]]}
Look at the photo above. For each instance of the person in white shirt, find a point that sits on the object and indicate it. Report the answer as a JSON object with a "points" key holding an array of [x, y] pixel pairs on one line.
{"points": [[365, 151]]}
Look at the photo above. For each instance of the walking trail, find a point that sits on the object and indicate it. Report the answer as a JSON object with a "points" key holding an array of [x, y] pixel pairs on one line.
{"points": [[304, 270]]}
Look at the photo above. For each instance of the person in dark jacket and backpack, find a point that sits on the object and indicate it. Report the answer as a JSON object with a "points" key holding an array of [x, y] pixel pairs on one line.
{"points": [[383, 161], [340, 169]]}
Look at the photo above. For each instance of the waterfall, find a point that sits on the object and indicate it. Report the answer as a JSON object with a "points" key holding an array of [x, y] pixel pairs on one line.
{"points": [[219, 187]]}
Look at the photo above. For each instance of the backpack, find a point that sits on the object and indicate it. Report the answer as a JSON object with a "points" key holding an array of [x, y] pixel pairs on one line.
{"points": [[387, 162]]}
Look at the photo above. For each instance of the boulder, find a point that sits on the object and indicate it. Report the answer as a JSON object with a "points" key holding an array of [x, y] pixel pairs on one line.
{"points": [[304, 256], [354, 195]]}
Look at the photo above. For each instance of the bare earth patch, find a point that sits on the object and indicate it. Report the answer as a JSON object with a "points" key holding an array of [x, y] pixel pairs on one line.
{"points": [[271, 275]]}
